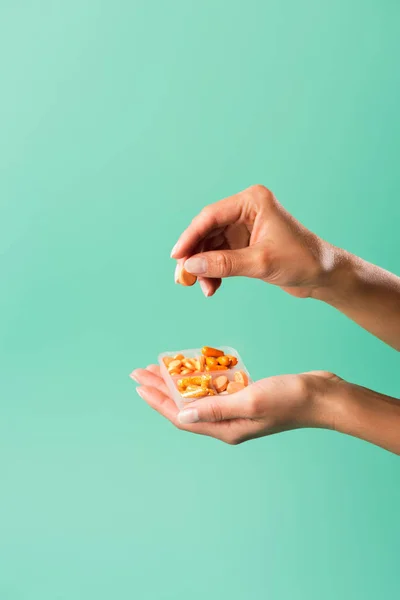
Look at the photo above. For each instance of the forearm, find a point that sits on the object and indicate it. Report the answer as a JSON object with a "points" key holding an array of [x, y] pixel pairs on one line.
{"points": [[364, 414], [367, 294]]}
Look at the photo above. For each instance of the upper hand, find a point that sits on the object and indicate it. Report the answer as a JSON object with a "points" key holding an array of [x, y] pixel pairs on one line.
{"points": [[252, 235]]}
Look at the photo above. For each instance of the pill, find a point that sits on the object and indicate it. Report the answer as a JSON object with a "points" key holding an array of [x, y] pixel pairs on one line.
{"points": [[167, 360], [199, 393], [234, 386], [188, 365], [241, 377], [186, 371], [224, 360], [202, 381], [179, 357], [212, 352], [174, 373], [185, 278], [220, 383], [211, 362], [233, 361], [202, 363], [174, 364]]}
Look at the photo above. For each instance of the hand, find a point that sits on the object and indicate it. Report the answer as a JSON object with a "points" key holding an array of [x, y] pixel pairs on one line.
{"points": [[252, 235], [263, 408]]}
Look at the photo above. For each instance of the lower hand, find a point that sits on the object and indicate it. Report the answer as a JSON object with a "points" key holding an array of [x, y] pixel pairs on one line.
{"points": [[269, 406]]}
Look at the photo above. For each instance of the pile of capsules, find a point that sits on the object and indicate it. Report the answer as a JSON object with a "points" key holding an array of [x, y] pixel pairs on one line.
{"points": [[198, 381], [210, 359]]}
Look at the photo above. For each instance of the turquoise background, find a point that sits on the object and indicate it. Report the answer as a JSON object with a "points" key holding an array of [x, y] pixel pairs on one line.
{"points": [[119, 121]]}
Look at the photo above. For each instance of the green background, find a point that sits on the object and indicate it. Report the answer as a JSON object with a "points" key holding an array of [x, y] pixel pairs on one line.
{"points": [[119, 121]]}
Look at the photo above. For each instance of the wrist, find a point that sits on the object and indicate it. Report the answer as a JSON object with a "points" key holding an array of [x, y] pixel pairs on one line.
{"points": [[340, 278], [327, 406]]}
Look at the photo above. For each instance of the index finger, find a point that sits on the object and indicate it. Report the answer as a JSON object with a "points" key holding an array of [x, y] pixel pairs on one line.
{"points": [[212, 219]]}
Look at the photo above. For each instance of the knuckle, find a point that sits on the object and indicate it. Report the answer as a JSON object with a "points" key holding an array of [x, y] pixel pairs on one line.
{"points": [[215, 412], [262, 193], [264, 257], [255, 402], [207, 212], [223, 264], [258, 188]]}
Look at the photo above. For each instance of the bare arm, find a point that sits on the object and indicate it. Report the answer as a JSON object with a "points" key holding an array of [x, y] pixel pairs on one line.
{"points": [[365, 414], [318, 399], [367, 294]]}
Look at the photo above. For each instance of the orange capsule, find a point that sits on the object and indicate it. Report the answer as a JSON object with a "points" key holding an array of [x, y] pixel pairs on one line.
{"points": [[233, 361], [220, 383], [211, 362], [167, 360], [185, 278], [241, 377], [224, 360], [212, 352], [234, 386]]}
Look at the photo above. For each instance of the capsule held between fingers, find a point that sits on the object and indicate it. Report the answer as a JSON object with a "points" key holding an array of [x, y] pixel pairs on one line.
{"points": [[186, 279]]}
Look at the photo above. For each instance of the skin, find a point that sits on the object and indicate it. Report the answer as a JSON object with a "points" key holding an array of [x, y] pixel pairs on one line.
{"points": [[252, 235], [314, 400]]}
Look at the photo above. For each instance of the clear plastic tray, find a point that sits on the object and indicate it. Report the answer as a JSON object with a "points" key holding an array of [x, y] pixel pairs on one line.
{"points": [[171, 381]]}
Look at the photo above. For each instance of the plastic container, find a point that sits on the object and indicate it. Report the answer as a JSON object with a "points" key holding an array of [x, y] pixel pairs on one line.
{"points": [[171, 381]]}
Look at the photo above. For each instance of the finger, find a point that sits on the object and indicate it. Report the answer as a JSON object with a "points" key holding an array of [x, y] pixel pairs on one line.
{"points": [[214, 409], [215, 216], [147, 378], [155, 369], [249, 262], [160, 402], [209, 286], [166, 407]]}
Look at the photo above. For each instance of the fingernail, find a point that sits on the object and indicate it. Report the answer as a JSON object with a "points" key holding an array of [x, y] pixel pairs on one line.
{"points": [[174, 249], [133, 376], [196, 265], [191, 415], [204, 288], [140, 392], [176, 276]]}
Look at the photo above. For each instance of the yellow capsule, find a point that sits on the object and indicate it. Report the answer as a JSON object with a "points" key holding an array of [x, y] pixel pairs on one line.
{"points": [[199, 393]]}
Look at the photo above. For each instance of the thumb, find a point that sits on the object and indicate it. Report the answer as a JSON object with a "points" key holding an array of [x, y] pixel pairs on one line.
{"points": [[249, 262], [216, 408]]}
